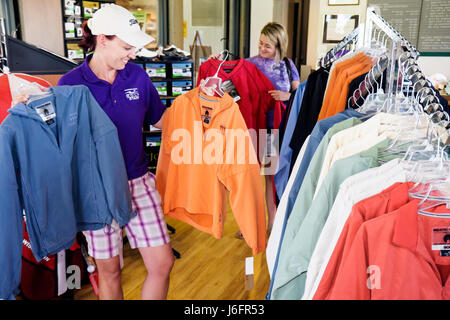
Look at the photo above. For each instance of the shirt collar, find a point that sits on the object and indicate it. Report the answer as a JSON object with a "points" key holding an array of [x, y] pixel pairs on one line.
{"points": [[399, 196], [90, 76], [373, 152], [406, 228]]}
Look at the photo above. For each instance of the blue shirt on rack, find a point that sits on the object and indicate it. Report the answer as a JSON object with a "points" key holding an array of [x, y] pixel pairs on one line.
{"points": [[282, 175]]}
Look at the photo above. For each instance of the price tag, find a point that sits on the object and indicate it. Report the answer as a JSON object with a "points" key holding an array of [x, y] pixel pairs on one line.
{"points": [[249, 273], [46, 111], [441, 241]]}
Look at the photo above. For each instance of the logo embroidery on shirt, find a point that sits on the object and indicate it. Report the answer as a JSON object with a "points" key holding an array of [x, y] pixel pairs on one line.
{"points": [[132, 94], [133, 21], [73, 117]]}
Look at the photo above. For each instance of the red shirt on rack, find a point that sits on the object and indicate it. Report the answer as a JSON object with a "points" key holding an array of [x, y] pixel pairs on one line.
{"points": [[5, 91], [252, 86]]}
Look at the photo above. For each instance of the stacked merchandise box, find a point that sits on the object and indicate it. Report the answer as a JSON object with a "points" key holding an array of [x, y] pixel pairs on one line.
{"points": [[181, 87], [182, 70], [162, 88], [156, 70]]}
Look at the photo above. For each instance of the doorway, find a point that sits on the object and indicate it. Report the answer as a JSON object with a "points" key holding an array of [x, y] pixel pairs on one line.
{"points": [[298, 36]]}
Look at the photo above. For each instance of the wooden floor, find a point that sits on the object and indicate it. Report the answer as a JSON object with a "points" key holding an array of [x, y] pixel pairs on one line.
{"points": [[209, 268]]}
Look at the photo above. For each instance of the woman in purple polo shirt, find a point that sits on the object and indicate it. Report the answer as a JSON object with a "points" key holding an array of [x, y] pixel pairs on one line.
{"points": [[126, 94]]}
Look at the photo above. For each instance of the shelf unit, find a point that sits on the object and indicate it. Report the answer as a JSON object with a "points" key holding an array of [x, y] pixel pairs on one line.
{"points": [[74, 13], [171, 79]]}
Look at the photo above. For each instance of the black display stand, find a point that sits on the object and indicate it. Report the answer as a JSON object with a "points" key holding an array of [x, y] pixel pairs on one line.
{"points": [[25, 58]]}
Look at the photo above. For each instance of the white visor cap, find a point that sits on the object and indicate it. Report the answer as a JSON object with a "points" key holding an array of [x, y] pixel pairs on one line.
{"points": [[114, 20]]}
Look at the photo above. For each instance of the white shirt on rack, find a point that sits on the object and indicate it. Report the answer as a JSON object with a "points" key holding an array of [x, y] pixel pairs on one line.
{"points": [[363, 136]]}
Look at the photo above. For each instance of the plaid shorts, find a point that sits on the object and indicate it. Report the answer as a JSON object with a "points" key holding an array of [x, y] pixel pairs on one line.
{"points": [[147, 229]]}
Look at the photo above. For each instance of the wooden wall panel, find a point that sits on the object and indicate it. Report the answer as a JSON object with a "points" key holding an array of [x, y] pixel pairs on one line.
{"points": [[41, 24]]}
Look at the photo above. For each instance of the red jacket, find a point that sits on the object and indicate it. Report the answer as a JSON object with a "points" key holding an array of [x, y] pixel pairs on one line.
{"points": [[252, 86]]}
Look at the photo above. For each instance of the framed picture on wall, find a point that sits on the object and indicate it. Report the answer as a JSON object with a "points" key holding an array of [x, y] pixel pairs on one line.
{"points": [[336, 27], [343, 2]]}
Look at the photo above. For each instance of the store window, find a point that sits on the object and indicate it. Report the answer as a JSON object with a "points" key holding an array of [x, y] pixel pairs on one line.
{"points": [[9, 12], [238, 27], [221, 24], [147, 14], [205, 18]]}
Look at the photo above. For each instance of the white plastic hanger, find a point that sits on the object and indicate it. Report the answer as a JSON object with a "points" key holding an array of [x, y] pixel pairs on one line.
{"points": [[19, 86], [213, 84]]}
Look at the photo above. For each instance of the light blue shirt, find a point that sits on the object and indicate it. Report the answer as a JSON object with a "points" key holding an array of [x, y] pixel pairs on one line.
{"points": [[282, 175], [68, 174]]}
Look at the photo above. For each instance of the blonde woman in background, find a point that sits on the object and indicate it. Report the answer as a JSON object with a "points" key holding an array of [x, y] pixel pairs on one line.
{"points": [[282, 72]]}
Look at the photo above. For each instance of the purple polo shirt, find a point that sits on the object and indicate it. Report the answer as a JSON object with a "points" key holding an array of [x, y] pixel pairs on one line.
{"points": [[129, 101]]}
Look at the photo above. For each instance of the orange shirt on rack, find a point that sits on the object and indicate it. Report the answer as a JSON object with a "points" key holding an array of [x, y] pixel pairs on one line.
{"points": [[348, 70], [201, 159], [340, 104], [330, 91], [398, 256]]}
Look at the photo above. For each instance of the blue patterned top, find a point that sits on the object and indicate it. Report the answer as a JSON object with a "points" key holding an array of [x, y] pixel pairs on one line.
{"points": [[276, 72]]}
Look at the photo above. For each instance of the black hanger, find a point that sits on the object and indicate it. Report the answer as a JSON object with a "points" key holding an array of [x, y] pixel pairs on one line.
{"points": [[235, 57]]}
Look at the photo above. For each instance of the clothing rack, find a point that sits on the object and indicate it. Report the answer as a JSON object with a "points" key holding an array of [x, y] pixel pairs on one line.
{"points": [[374, 19], [3, 48], [375, 23], [302, 206], [354, 36], [399, 71], [423, 91], [365, 34]]}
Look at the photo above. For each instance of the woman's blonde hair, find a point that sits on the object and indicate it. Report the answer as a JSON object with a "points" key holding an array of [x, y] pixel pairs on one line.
{"points": [[277, 35]]}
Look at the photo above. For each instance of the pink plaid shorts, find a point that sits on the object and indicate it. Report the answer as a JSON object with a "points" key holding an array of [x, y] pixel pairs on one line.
{"points": [[147, 229]]}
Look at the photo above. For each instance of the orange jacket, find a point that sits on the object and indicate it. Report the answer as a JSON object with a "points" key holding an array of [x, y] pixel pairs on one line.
{"points": [[347, 77], [199, 161], [341, 77]]}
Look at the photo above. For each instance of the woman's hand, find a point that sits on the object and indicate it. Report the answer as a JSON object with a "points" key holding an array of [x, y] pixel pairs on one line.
{"points": [[214, 56], [20, 99], [280, 95]]}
